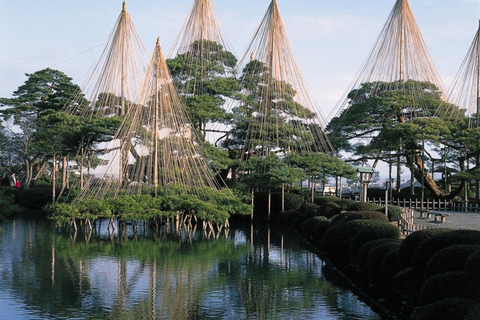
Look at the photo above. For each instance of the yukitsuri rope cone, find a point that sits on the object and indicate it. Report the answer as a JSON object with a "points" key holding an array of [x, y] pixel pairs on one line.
{"points": [[163, 146], [201, 64], [399, 68], [399, 54], [464, 92], [275, 114], [110, 90]]}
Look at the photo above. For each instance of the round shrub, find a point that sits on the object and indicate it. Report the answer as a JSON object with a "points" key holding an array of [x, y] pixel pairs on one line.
{"points": [[310, 224], [430, 246], [471, 269], [373, 229], [474, 313], [308, 210], [337, 239], [447, 309], [344, 203], [359, 260], [296, 222], [292, 200], [289, 216], [375, 260], [320, 229], [323, 200], [329, 209], [390, 266], [394, 213], [407, 283], [358, 215], [35, 198], [451, 258], [411, 242], [445, 285], [363, 206]]}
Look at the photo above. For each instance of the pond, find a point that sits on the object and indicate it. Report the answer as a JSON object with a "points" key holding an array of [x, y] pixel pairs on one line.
{"points": [[245, 272]]}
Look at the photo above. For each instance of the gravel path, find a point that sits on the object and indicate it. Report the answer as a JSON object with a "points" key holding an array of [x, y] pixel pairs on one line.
{"points": [[454, 220]]}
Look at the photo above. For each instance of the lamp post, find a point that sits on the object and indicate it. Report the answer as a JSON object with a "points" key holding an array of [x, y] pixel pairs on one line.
{"points": [[365, 177]]}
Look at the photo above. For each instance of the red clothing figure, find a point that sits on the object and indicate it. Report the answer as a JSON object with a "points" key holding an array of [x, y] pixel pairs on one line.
{"points": [[17, 184]]}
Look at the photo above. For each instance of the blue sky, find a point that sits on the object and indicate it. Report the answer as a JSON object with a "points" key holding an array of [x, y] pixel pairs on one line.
{"points": [[330, 39]]}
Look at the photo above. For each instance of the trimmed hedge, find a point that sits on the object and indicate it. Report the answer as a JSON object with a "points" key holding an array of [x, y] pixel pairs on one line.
{"points": [[309, 225], [292, 201], [390, 266], [451, 258], [359, 260], [447, 309], [429, 247], [411, 242], [308, 210], [471, 269], [345, 203], [394, 213], [363, 206], [373, 230], [375, 260], [323, 200], [320, 230], [329, 209], [35, 198], [358, 215], [445, 285]]}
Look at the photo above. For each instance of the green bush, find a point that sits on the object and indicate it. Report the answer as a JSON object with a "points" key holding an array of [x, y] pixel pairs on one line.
{"points": [[471, 269], [329, 209], [451, 258], [336, 241], [358, 215], [445, 285], [474, 313], [390, 266], [375, 260], [308, 210], [372, 230], [310, 224], [8, 207], [323, 200], [292, 201], [344, 203], [411, 242], [429, 247], [447, 309], [320, 229], [35, 198], [363, 206], [394, 213], [290, 215], [359, 260], [407, 283]]}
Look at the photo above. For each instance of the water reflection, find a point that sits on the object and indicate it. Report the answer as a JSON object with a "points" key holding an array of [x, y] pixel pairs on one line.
{"points": [[245, 273]]}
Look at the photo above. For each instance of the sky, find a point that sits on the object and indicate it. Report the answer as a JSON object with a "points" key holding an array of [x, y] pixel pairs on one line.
{"points": [[331, 40]]}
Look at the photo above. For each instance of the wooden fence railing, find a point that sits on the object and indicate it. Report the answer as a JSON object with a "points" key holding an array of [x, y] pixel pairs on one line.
{"points": [[405, 222], [428, 204]]}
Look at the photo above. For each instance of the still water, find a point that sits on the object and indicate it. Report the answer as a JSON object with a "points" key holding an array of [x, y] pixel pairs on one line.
{"points": [[245, 273]]}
